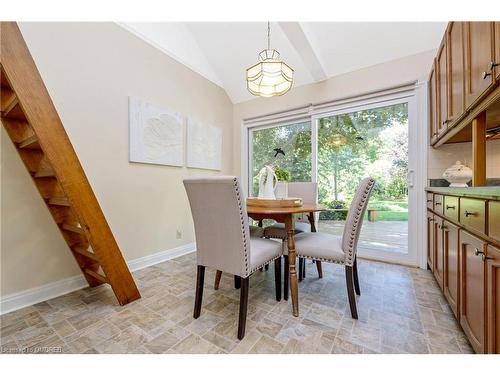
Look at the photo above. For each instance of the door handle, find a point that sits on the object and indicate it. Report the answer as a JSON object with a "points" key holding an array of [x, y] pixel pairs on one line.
{"points": [[411, 178]]}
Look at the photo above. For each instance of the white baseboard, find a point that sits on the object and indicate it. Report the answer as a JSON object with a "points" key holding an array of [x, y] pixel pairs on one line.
{"points": [[16, 301]]}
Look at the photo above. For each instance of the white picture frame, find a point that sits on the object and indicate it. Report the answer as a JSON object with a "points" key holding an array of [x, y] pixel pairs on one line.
{"points": [[156, 134], [204, 145]]}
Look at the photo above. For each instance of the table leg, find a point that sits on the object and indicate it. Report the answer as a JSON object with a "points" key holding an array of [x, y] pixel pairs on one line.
{"points": [[294, 284]]}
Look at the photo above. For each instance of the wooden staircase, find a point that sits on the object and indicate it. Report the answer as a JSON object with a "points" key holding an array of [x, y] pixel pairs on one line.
{"points": [[32, 122]]}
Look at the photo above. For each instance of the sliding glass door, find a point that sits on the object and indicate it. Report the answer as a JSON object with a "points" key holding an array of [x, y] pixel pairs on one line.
{"points": [[338, 147], [353, 145]]}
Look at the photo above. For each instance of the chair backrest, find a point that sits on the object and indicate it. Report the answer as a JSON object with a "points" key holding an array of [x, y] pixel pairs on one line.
{"points": [[307, 191], [354, 219], [220, 222]]}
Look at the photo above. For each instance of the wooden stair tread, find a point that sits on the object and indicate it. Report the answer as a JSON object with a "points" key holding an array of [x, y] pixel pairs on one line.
{"points": [[8, 101], [82, 251], [59, 201], [45, 171], [30, 142], [95, 275], [72, 227]]}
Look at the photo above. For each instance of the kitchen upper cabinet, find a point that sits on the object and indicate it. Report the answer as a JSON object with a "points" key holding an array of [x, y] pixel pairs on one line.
{"points": [[451, 266], [442, 78], [433, 104], [478, 58], [456, 72], [430, 240], [473, 290], [496, 62], [493, 294], [438, 251]]}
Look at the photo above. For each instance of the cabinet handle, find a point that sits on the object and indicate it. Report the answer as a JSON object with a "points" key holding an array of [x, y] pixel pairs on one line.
{"points": [[429, 200], [467, 213], [485, 75], [444, 227], [450, 207], [445, 122], [484, 257], [477, 252], [438, 203], [493, 65]]}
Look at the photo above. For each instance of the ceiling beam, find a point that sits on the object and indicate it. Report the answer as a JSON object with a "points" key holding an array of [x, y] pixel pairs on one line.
{"points": [[300, 42]]}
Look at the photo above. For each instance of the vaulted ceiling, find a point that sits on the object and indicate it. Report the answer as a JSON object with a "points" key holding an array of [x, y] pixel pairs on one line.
{"points": [[221, 51]]}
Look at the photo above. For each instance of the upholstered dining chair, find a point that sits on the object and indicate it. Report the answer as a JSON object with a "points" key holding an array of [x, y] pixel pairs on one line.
{"points": [[308, 192], [341, 250], [223, 239]]}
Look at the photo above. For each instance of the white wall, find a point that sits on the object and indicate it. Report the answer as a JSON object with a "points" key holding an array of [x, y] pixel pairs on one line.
{"points": [[90, 69]]}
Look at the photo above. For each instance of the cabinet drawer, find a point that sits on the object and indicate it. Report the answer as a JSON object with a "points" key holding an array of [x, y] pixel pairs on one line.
{"points": [[430, 200], [494, 220], [450, 207], [472, 213], [438, 203]]}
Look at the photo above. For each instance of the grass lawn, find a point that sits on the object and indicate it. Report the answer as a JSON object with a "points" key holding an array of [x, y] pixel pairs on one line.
{"points": [[390, 210]]}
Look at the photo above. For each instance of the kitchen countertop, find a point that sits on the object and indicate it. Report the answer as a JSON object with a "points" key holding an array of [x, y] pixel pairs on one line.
{"points": [[484, 192]]}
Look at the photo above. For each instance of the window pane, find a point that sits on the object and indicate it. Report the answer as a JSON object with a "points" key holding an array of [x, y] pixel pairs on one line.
{"points": [[294, 140]]}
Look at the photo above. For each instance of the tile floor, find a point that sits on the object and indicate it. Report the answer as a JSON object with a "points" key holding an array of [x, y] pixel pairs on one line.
{"points": [[401, 310]]}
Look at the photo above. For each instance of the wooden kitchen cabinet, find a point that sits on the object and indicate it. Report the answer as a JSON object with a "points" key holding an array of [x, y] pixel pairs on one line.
{"points": [[451, 281], [433, 105], [438, 251], [493, 297], [496, 61], [442, 77], [430, 240], [478, 57], [456, 71], [473, 290]]}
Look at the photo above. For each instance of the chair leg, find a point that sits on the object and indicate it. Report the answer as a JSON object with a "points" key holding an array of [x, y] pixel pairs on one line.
{"points": [[301, 269], [243, 308], [237, 282], [200, 279], [304, 263], [218, 275], [355, 276], [277, 278], [286, 278], [350, 291], [319, 268]]}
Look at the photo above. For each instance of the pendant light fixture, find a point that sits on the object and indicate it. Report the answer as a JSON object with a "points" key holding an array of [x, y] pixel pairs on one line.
{"points": [[270, 76]]}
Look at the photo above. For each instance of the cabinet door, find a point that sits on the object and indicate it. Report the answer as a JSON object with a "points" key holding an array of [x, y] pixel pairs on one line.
{"points": [[439, 251], [442, 72], [496, 61], [433, 105], [451, 266], [472, 290], [456, 73], [478, 57], [430, 240], [493, 297]]}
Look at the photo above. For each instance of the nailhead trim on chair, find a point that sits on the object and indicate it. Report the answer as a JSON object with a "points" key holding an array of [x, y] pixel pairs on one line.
{"points": [[264, 264], [322, 259], [360, 210], [243, 225]]}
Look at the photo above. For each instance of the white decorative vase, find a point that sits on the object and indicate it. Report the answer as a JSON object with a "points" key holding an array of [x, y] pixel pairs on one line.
{"points": [[281, 190], [458, 175], [267, 182]]}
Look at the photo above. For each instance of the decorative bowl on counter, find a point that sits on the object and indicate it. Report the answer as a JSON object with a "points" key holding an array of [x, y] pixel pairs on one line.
{"points": [[458, 175]]}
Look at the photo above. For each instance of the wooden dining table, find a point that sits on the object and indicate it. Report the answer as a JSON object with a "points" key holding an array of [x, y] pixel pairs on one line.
{"points": [[285, 215]]}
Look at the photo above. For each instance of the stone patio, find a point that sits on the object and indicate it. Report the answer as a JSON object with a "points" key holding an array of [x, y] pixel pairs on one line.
{"points": [[390, 236]]}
